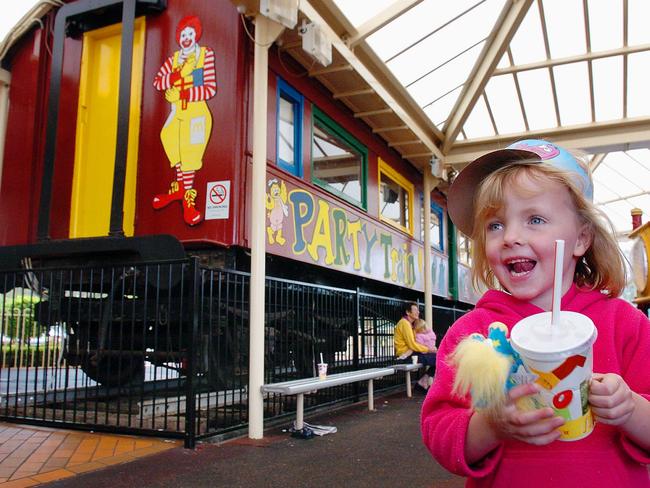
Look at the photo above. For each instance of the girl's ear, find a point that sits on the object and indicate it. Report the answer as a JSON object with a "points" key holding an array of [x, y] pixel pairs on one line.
{"points": [[584, 240]]}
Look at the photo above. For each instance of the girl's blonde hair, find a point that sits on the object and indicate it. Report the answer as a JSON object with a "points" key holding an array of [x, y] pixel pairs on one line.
{"points": [[420, 325], [601, 268]]}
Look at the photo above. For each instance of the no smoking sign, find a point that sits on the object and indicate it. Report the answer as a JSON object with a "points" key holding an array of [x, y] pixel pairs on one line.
{"points": [[217, 205], [218, 194]]}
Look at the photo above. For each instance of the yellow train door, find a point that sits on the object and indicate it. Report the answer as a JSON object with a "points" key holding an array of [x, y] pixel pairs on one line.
{"points": [[94, 162]]}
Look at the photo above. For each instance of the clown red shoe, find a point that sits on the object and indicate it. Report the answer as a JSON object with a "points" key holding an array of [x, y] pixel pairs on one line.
{"points": [[163, 199], [190, 214]]}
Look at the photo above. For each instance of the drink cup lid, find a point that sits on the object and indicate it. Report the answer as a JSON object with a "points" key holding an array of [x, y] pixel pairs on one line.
{"points": [[534, 337]]}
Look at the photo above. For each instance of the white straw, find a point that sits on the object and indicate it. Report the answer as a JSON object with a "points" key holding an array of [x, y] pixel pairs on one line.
{"points": [[557, 282], [321, 358]]}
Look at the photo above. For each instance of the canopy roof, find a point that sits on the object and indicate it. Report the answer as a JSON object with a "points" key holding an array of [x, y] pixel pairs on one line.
{"points": [[452, 80]]}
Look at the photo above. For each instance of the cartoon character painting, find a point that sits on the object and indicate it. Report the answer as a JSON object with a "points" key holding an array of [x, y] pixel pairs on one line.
{"points": [[188, 79], [276, 204]]}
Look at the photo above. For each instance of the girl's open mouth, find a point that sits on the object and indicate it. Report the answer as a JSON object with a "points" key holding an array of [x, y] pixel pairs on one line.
{"points": [[518, 267]]}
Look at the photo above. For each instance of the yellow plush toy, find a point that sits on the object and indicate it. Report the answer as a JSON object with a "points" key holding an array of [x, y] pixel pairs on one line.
{"points": [[487, 367]]}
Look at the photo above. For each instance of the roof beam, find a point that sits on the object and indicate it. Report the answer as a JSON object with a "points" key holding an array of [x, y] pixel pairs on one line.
{"points": [[331, 69], [380, 20], [549, 63], [353, 93], [380, 130], [620, 199], [596, 160], [368, 113], [404, 143], [506, 26], [372, 75], [597, 137]]}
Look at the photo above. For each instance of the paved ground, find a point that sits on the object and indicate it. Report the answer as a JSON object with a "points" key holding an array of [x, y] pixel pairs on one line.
{"points": [[30, 455], [370, 449]]}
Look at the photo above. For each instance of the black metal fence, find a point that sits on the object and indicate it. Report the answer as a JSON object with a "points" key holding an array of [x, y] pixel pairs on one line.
{"points": [[162, 348]]}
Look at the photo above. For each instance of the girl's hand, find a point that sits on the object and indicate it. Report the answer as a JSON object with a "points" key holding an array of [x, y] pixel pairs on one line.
{"points": [[612, 401], [538, 427]]}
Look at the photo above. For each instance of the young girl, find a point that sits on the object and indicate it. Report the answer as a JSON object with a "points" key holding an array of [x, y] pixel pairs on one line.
{"points": [[425, 335], [515, 203]]}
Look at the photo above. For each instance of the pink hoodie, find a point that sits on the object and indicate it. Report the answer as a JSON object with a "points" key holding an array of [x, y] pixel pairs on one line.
{"points": [[605, 458]]}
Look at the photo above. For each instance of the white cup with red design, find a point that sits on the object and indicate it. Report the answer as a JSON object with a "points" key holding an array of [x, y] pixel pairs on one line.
{"points": [[561, 357]]}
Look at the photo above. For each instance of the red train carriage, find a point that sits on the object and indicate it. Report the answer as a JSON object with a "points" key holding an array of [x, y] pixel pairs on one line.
{"points": [[129, 140]]}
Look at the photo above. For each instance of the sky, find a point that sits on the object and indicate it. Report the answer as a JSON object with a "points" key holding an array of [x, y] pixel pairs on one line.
{"points": [[12, 11]]}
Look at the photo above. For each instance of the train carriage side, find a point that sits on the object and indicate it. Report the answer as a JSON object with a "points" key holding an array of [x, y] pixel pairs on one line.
{"points": [[341, 207]]}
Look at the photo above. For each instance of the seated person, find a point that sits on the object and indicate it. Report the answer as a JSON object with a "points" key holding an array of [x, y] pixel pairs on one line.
{"points": [[425, 335], [405, 344]]}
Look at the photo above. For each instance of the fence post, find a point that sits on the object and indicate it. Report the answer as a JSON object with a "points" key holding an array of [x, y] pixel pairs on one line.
{"points": [[357, 331], [190, 396], [355, 343]]}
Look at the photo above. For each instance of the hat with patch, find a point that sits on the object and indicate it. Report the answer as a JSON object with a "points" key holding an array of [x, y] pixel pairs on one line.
{"points": [[460, 198]]}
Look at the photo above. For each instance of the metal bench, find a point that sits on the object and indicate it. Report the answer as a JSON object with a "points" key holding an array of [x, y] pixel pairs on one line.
{"points": [[304, 385], [408, 367]]}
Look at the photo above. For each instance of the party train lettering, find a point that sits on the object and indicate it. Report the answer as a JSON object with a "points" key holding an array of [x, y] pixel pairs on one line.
{"points": [[306, 227]]}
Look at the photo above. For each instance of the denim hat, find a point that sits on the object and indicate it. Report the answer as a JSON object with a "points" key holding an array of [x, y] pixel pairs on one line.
{"points": [[460, 198]]}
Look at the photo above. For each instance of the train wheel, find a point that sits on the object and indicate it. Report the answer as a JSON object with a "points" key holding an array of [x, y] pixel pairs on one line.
{"points": [[113, 371], [113, 366]]}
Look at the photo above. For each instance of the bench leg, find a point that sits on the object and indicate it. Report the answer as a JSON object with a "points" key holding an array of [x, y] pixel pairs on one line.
{"points": [[408, 384], [371, 395], [300, 410]]}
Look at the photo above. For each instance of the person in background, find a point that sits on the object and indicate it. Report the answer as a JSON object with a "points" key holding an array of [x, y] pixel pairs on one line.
{"points": [[515, 203], [425, 335], [405, 345]]}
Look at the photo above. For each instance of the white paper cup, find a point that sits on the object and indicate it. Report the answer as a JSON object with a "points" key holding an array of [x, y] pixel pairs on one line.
{"points": [[322, 370], [414, 359], [561, 356]]}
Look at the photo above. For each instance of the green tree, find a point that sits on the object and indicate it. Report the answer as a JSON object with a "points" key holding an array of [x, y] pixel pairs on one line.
{"points": [[18, 320]]}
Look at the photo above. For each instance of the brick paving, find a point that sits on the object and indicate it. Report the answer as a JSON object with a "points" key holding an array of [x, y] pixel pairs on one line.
{"points": [[30, 455]]}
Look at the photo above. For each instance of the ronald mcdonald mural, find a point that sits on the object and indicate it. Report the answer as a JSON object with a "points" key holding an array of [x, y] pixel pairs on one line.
{"points": [[188, 79]]}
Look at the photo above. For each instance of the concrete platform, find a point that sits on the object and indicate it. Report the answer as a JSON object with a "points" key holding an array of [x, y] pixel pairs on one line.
{"points": [[371, 449]]}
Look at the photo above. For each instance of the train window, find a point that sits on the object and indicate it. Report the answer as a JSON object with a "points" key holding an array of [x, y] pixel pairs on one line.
{"points": [[464, 249], [339, 161], [435, 224], [289, 129], [395, 198]]}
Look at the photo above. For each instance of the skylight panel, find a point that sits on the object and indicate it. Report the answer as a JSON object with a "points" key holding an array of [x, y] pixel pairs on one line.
{"points": [[434, 51], [535, 86], [641, 157], [572, 87], [605, 25], [527, 45], [638, 81], [638, 14], [642, 202], [504, 103], [565, 25], [420, 21], [637, 166], [448, 76], [359, 12], [478, 123], [439, 110], [619, 214], [608, 88], [614, 177], [602, 193]]}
